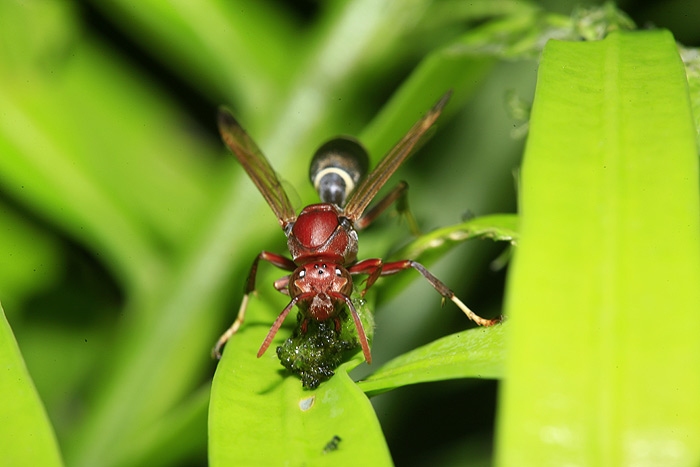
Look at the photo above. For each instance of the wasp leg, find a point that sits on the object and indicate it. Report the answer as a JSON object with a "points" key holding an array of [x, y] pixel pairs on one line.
{"points": [[372, 267], [282, 284], [376, 268], [277, 260], [280, 319], [399, 195]]}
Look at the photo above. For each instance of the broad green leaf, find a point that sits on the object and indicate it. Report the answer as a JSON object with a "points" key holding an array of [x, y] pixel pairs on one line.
{"points": [[603, 294], [260, 415], [476, 353], [290, 425], [26, 435]]}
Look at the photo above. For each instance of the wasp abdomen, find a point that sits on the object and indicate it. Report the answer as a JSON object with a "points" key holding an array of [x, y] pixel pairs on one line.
{"points": [[336, 168]]}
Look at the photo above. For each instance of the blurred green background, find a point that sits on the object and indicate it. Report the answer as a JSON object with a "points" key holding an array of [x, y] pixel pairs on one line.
{"points": [[126, 230]]}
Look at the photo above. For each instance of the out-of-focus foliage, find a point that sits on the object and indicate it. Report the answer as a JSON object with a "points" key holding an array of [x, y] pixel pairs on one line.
{"points": [[126, 231]]}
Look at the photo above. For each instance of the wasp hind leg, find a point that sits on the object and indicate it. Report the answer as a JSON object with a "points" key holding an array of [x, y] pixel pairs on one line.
{"points": [[376, 268], [398, 195]]}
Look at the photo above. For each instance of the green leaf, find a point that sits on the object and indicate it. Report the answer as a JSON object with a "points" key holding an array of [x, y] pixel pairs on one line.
{"points": [[603, 294], [498, 227], [260, 415], [26, 435], [434, 245], [292, 426], [477, 353]]}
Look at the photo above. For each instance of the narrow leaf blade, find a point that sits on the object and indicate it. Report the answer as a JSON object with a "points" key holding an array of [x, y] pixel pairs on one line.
{"points": [[26, 436], [603, 294], [477, 353]]}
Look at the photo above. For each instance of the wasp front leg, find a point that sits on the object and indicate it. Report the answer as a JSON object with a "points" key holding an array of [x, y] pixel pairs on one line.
{"points": [[376, 268], [280, 284]]}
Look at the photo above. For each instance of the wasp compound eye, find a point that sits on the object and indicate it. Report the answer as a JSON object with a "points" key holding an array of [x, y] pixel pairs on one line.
{"points": [[336, 168]]}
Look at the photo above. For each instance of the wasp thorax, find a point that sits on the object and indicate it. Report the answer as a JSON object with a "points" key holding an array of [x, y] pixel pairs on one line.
{"points": [[336, 168], [321, 230]]}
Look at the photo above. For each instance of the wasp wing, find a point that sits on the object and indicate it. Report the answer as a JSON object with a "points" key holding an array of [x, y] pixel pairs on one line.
{"points": [[257, 166], [368, 188]]}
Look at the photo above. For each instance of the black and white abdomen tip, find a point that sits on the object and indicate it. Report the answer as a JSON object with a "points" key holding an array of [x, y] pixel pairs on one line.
{"points": [[336, 168]]}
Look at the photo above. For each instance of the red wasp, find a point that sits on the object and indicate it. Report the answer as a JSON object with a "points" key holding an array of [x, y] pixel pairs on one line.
{"points": [[322, 239]]}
